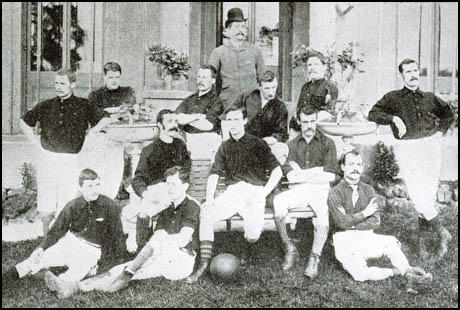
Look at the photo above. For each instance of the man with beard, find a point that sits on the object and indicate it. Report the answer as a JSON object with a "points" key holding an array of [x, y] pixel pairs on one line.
{"points": [[354, 210], [148, 183], [198, 115], [239, 63], [418, 119], [318, 93], [310, 167]]}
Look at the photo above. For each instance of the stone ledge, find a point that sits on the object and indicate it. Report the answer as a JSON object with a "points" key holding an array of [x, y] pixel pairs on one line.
{"points": [[165, 94]]}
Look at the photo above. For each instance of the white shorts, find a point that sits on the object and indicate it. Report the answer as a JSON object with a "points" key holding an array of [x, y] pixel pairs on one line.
{"points": [[243, 198], [57, 181], [419, 162], [71, 251]]}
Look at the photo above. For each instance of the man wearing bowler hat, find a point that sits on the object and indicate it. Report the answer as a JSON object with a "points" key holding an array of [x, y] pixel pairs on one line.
{"points": [[239, 62]]}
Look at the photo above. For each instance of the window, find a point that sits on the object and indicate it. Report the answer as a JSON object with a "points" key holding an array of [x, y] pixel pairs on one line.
{"points": [[63, 34], [436, 45]]}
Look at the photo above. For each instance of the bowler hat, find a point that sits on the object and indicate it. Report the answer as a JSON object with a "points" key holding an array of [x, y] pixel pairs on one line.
{"points": [[234, 15]]}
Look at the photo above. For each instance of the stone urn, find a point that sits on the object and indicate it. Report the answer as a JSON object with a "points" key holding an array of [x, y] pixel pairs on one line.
{"points": [[132, 133]]}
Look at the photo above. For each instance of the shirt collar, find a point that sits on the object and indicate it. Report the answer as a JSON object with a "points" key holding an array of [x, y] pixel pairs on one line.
{"points": [[209, 93], [111, 90], [183, 202], [406, 90], [316, 136], [67, 99], [242, 139], [317, 82], [242, 47]]}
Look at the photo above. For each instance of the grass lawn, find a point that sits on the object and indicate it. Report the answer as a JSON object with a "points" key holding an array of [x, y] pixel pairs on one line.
{"points": [[262, 283]]}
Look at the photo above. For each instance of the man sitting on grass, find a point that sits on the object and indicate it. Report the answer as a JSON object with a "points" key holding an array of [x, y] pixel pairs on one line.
{"points": [[354, 210], [169, 253], [84, 225]]}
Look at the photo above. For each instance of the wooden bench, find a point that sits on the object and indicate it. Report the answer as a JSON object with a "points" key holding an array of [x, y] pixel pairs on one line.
{"points": [[198, 178]]}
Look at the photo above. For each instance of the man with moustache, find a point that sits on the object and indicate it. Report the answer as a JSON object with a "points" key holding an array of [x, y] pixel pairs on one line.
{"points": [[354, 210], [310, 167], [418, 119], [319, 93], [148, 183], [243, 160], [198, 115], [239, 63], [63, 121]]}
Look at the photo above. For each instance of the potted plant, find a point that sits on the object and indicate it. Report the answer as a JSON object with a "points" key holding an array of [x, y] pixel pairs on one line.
{"points": [[170, 65]]}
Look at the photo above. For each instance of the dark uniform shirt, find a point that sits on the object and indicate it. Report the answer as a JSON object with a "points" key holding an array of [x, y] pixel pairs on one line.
{"points": [[314, 93], [422, 112], [105, 98], [186, 214], [208, 104], [320, 152], [247, 159], [344, 214], [96, 221], [155, 159], [269, 121], [63, 123]]}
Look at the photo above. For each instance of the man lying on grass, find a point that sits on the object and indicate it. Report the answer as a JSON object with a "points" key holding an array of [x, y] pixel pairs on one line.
{"points": [[354, 210], [169, 253], [84, 225]]}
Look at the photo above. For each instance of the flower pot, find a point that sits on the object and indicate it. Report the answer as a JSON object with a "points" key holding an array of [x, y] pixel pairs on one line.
{"points": [[167, 81]]}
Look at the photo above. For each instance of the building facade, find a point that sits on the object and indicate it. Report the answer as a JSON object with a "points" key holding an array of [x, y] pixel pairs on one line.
{"points": [[38, 38]]}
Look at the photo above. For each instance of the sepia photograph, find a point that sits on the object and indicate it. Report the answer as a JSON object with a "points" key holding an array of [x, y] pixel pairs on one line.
{"points": [[230, 154]]}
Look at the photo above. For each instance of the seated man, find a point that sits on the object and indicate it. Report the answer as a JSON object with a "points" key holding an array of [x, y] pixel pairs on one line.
{"points": [[354, 210], [318, 93], [199, 114], [109, 159], [244, 161], [267, 114], [311, 166], [84, 225], [164, 152], [169, 253]]}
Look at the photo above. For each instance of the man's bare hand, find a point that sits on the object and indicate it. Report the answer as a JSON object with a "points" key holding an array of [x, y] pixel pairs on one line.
{"points": [[371, 208], [400, 125]]}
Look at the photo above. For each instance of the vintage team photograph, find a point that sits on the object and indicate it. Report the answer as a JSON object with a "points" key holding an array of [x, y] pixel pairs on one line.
{"points": [[230, 154]]}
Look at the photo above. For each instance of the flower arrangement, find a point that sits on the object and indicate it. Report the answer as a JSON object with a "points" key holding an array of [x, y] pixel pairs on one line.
{"points": [[169, 62], [266, 34]]}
